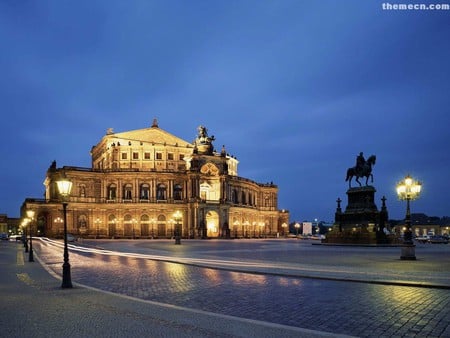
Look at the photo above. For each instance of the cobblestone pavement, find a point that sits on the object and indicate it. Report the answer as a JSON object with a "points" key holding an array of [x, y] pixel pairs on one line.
{"points": [[341, 307]]}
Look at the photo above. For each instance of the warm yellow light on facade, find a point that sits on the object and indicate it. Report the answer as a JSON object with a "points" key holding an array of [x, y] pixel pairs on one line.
{"points": [[177, 215], [30, 214]]}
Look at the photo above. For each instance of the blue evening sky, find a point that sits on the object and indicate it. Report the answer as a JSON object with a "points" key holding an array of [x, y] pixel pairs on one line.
{"points": [[294, 89]]}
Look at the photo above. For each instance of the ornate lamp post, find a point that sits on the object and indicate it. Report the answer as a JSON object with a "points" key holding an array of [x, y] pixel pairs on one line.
{"points": [[236, 227], [30, 214], [152, 221], [297, 226], [64, 187], [177, 216], [245, 225], [284, 226], [133, 222], [261, 229], [97, 222], [408, 189], [25, 239]]}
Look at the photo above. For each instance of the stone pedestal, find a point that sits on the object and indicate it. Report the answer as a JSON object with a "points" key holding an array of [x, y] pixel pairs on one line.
{"points": [[361, 223]]}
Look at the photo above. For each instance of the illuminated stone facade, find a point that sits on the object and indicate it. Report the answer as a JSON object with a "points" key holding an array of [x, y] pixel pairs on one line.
{"points": [[140, 178]]}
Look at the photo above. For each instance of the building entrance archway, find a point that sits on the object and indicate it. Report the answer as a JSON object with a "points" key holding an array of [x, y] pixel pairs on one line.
{"points": [[212, 223]]}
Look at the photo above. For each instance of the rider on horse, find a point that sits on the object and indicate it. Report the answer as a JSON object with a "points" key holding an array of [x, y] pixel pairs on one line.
{"points": [[360, 163]]}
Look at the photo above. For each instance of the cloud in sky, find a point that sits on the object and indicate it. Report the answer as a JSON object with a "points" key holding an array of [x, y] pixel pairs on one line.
{"points": [[294, 89]]}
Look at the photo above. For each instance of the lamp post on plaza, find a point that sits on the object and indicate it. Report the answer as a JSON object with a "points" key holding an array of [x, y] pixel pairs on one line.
{"points": [[245, 225], [30, 214], [284, 226], [64, 187], [408, 189], [297, 226], [261, 229], [25, 239], [97, 222], [133, 222], [152, 221], [236, 226], [177, 217]]}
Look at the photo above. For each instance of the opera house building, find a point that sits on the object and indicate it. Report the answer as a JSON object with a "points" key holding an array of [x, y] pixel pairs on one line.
{"points": [[143, 183]]}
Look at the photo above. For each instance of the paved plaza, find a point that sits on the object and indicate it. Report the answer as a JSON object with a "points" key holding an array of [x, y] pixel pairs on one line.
{"points": [[264, 288]]}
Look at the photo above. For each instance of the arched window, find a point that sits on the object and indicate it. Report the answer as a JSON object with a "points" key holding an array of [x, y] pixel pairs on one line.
{"points": [[112, 192], [127, 191], [234, 196], [144, 191], [161, 192], [177, 192]]}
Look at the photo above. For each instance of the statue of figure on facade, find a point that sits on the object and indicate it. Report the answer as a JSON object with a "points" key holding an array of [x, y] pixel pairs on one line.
{"points": [[363, 168], [203, 137]]}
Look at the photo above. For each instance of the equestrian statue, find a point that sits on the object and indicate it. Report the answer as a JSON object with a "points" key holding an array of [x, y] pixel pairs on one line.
{"points": [[363, 168]]}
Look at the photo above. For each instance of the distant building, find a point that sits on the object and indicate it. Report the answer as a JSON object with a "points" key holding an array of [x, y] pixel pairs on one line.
{"points": [[425, 225], [9, 225], [140, 178]]}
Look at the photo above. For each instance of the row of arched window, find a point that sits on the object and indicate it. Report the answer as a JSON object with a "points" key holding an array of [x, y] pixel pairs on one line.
{"points": [[144, 192]]}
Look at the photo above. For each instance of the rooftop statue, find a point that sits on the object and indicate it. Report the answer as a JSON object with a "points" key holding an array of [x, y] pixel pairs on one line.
{"points": [[203, 137], [363, 168], [203, 142]]}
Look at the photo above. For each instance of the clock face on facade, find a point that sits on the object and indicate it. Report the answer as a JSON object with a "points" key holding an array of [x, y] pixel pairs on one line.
{"points": [[209, 169]]}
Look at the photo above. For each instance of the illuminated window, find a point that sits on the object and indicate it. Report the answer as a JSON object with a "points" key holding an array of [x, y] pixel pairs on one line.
{"points": [[144, 192], [177, 192], [112, 192], [127, 191], [161, 192]]}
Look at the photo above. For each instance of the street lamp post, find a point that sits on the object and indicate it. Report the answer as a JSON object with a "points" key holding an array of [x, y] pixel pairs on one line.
{"points": [[236, 226], [25, 239], [262, 229], [177, 216], [297, 226], [408, 189], [133, 222], [284, 226], [152, 221], [245, 225], [30, 214], [97, 226], [64, 187]]}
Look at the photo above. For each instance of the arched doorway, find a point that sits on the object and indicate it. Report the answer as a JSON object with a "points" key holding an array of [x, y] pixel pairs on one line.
{"points": [[212, 224]]}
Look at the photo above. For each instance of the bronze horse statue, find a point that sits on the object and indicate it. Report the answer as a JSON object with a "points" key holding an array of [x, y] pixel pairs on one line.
{"points": [[365, 171]]}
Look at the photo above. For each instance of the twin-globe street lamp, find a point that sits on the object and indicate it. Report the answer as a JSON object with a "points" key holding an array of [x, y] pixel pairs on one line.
{"points": [[408, 189], [297, 226], [24, 237], [177, 216], [284, 226], [64, 188], [30, 215]]}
